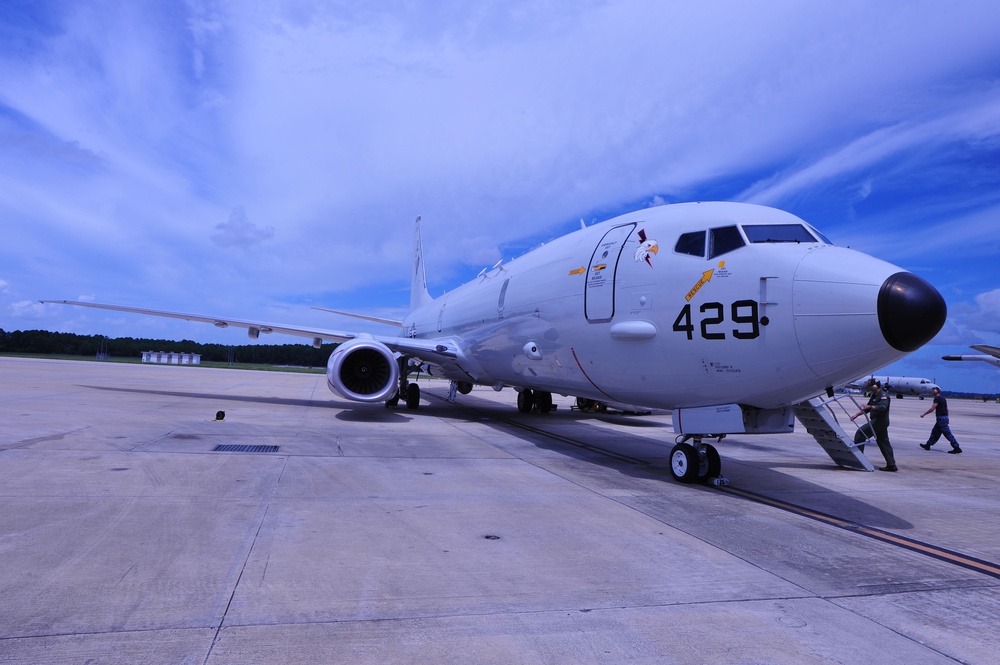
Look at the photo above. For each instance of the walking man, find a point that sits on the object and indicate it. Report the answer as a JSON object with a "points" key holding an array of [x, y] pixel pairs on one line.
{"points": [[878, 411], [941, 426]]}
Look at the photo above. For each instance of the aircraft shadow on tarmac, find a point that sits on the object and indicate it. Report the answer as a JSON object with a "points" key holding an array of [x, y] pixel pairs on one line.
{"points": [[352, 414], [351, 411], [618, 452], [627, 421], [322, 404], [649, 461]]}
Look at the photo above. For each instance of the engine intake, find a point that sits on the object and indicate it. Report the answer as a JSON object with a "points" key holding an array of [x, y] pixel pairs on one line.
{"points": [[363, 371]]}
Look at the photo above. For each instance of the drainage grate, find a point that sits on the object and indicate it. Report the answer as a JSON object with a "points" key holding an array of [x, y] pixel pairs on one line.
{"points": [[242, 448]]}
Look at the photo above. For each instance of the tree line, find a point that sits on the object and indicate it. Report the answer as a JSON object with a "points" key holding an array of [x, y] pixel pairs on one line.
{"points": [[43, 342]]}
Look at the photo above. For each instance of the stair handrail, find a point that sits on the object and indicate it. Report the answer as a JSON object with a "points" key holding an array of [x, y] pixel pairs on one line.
{"points": [[836, 399]]}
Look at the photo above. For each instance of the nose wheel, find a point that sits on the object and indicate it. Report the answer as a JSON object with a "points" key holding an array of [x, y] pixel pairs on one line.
{"points": [[696, 463]]}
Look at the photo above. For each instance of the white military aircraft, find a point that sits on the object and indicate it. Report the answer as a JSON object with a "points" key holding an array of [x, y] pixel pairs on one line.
{"points": [[992, 357], [898, 385], [732, 315]]}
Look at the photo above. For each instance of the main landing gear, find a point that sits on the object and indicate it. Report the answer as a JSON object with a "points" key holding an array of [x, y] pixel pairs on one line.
{"points": [[528, 400], [409, 392], [696, 462]]}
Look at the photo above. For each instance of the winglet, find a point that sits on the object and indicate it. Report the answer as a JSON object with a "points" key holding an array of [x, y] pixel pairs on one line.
{"points": [[419, 296]]}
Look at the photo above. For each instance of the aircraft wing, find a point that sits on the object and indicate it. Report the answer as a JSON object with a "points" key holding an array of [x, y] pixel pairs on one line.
{"points": [[992, 357], [376, 319], [429, 350], [985, 348]]}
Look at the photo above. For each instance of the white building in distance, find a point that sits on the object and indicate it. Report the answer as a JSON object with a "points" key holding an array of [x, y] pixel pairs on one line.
{"points": [[171, 358]]}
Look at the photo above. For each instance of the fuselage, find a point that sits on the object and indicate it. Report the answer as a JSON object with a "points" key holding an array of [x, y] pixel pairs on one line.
{"points": [[683, 305]]}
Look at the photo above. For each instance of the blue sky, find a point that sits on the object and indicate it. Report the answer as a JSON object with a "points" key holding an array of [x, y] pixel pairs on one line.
{"points": [[254, 159]]}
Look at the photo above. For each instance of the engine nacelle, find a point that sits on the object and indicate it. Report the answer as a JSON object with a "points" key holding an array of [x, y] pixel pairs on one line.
{"points": [[363, 370]]}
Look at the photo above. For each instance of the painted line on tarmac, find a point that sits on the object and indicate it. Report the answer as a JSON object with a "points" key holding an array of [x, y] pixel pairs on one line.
{"points": [[933, 551]]}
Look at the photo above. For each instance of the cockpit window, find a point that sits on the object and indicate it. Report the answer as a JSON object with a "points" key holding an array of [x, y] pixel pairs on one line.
{"points": [[819, 234], [691, 243], [778, 233], [723, 240]]}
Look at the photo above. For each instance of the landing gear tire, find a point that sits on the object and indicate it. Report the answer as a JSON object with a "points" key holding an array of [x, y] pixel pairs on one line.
{"points": [[684, 463], [709, 464], [525, 400], [543, 401], [393, 401], [412, 396]]}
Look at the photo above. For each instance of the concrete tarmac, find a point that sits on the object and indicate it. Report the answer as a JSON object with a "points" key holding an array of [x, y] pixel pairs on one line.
{"points": [[467, 533]]}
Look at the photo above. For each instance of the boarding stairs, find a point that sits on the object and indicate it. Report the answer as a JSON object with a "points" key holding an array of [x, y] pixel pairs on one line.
{"points": [[819, 416]]}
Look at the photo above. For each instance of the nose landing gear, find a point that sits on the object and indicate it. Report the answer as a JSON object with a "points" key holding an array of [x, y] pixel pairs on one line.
{"points": [[696, 463]]}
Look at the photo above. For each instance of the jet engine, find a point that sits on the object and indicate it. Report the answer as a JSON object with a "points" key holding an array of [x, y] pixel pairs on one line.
{"points": [[363, 370]]}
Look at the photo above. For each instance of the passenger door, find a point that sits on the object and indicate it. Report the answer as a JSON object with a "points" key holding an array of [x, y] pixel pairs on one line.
{"points": [[599, 297]]}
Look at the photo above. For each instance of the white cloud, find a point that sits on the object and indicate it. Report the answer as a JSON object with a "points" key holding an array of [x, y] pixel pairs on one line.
{"points": [[986, 317], [979, 123], [28, 309], [336, 124], [240, 232]]}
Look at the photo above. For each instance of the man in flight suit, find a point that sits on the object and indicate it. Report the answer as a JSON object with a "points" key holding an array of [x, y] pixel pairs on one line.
{"points": [[878, 412]]}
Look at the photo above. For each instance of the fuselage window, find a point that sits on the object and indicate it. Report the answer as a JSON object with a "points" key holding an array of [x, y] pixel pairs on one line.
{"points": [[724, 239], [778, 233], [691, 243]]}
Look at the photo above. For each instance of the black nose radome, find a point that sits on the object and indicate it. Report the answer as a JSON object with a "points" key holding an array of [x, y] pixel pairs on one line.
{"points": [[910, 311]]}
